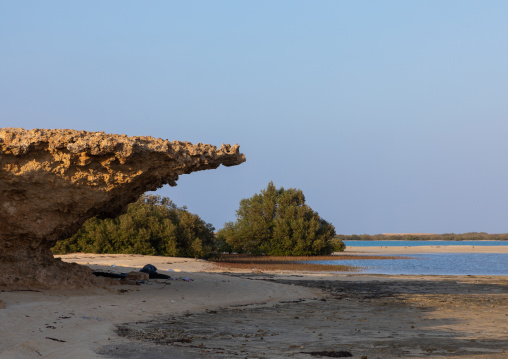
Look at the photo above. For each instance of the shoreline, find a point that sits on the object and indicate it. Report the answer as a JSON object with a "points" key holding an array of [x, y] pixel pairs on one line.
{"points": [[425, 249], [219, 314]]}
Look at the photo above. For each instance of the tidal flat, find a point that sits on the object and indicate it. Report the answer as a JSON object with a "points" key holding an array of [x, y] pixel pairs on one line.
{"points": [[204, 311], [353, 316]]}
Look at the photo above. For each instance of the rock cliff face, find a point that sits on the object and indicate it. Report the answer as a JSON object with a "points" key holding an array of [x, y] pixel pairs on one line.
{"points": [[52, 181]]}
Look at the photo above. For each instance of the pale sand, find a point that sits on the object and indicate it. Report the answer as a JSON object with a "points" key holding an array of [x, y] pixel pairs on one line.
{"points": [[85, 319], [368, 315]]}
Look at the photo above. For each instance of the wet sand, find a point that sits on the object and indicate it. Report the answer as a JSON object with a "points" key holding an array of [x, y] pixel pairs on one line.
{"points": [[365, 316], [258, 315]]}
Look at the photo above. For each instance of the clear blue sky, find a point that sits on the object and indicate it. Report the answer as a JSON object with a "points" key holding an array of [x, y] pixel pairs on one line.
{"points": [[391, 116]]}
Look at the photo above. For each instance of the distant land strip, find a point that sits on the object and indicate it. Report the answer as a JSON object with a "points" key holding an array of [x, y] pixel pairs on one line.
{"points": [[408, 234], [470, 236]]}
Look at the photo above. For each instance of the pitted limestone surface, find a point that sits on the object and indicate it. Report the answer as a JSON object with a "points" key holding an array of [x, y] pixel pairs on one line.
{"points": [[52, 181]]}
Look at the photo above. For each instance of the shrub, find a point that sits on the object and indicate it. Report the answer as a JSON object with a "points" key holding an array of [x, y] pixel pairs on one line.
{"points": [[278, 222], [151, 226]]}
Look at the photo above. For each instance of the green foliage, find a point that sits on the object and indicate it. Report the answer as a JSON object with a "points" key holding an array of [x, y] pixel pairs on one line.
{"points": [[337, 244], [151, 226], [278, 222]]}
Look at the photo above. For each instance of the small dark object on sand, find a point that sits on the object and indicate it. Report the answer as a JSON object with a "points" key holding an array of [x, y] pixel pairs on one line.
{"points": [[149, 269], [330, 354], [109, 275], [152, 272], [56, 340]]}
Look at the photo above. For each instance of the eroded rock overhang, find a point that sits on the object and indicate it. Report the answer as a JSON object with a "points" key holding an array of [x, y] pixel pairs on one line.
{"points": [[52, 181]]}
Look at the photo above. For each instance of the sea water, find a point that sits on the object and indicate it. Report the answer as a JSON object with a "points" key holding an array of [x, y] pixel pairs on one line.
{"points": [[403, 243], [432, 263]]}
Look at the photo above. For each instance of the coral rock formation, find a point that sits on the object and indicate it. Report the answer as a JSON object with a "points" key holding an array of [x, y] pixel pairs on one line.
{"points": [[52, 181]]}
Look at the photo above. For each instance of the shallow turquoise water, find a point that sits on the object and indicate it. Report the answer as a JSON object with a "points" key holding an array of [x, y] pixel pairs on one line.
{"points": [[435, 264], [423, 243]]}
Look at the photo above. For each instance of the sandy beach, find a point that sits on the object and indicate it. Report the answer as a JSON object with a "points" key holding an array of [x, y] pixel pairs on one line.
{"points": [[204, 312]]}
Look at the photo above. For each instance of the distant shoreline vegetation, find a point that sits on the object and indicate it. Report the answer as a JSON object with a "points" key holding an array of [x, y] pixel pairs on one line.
{"points": [[470, 236]]}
